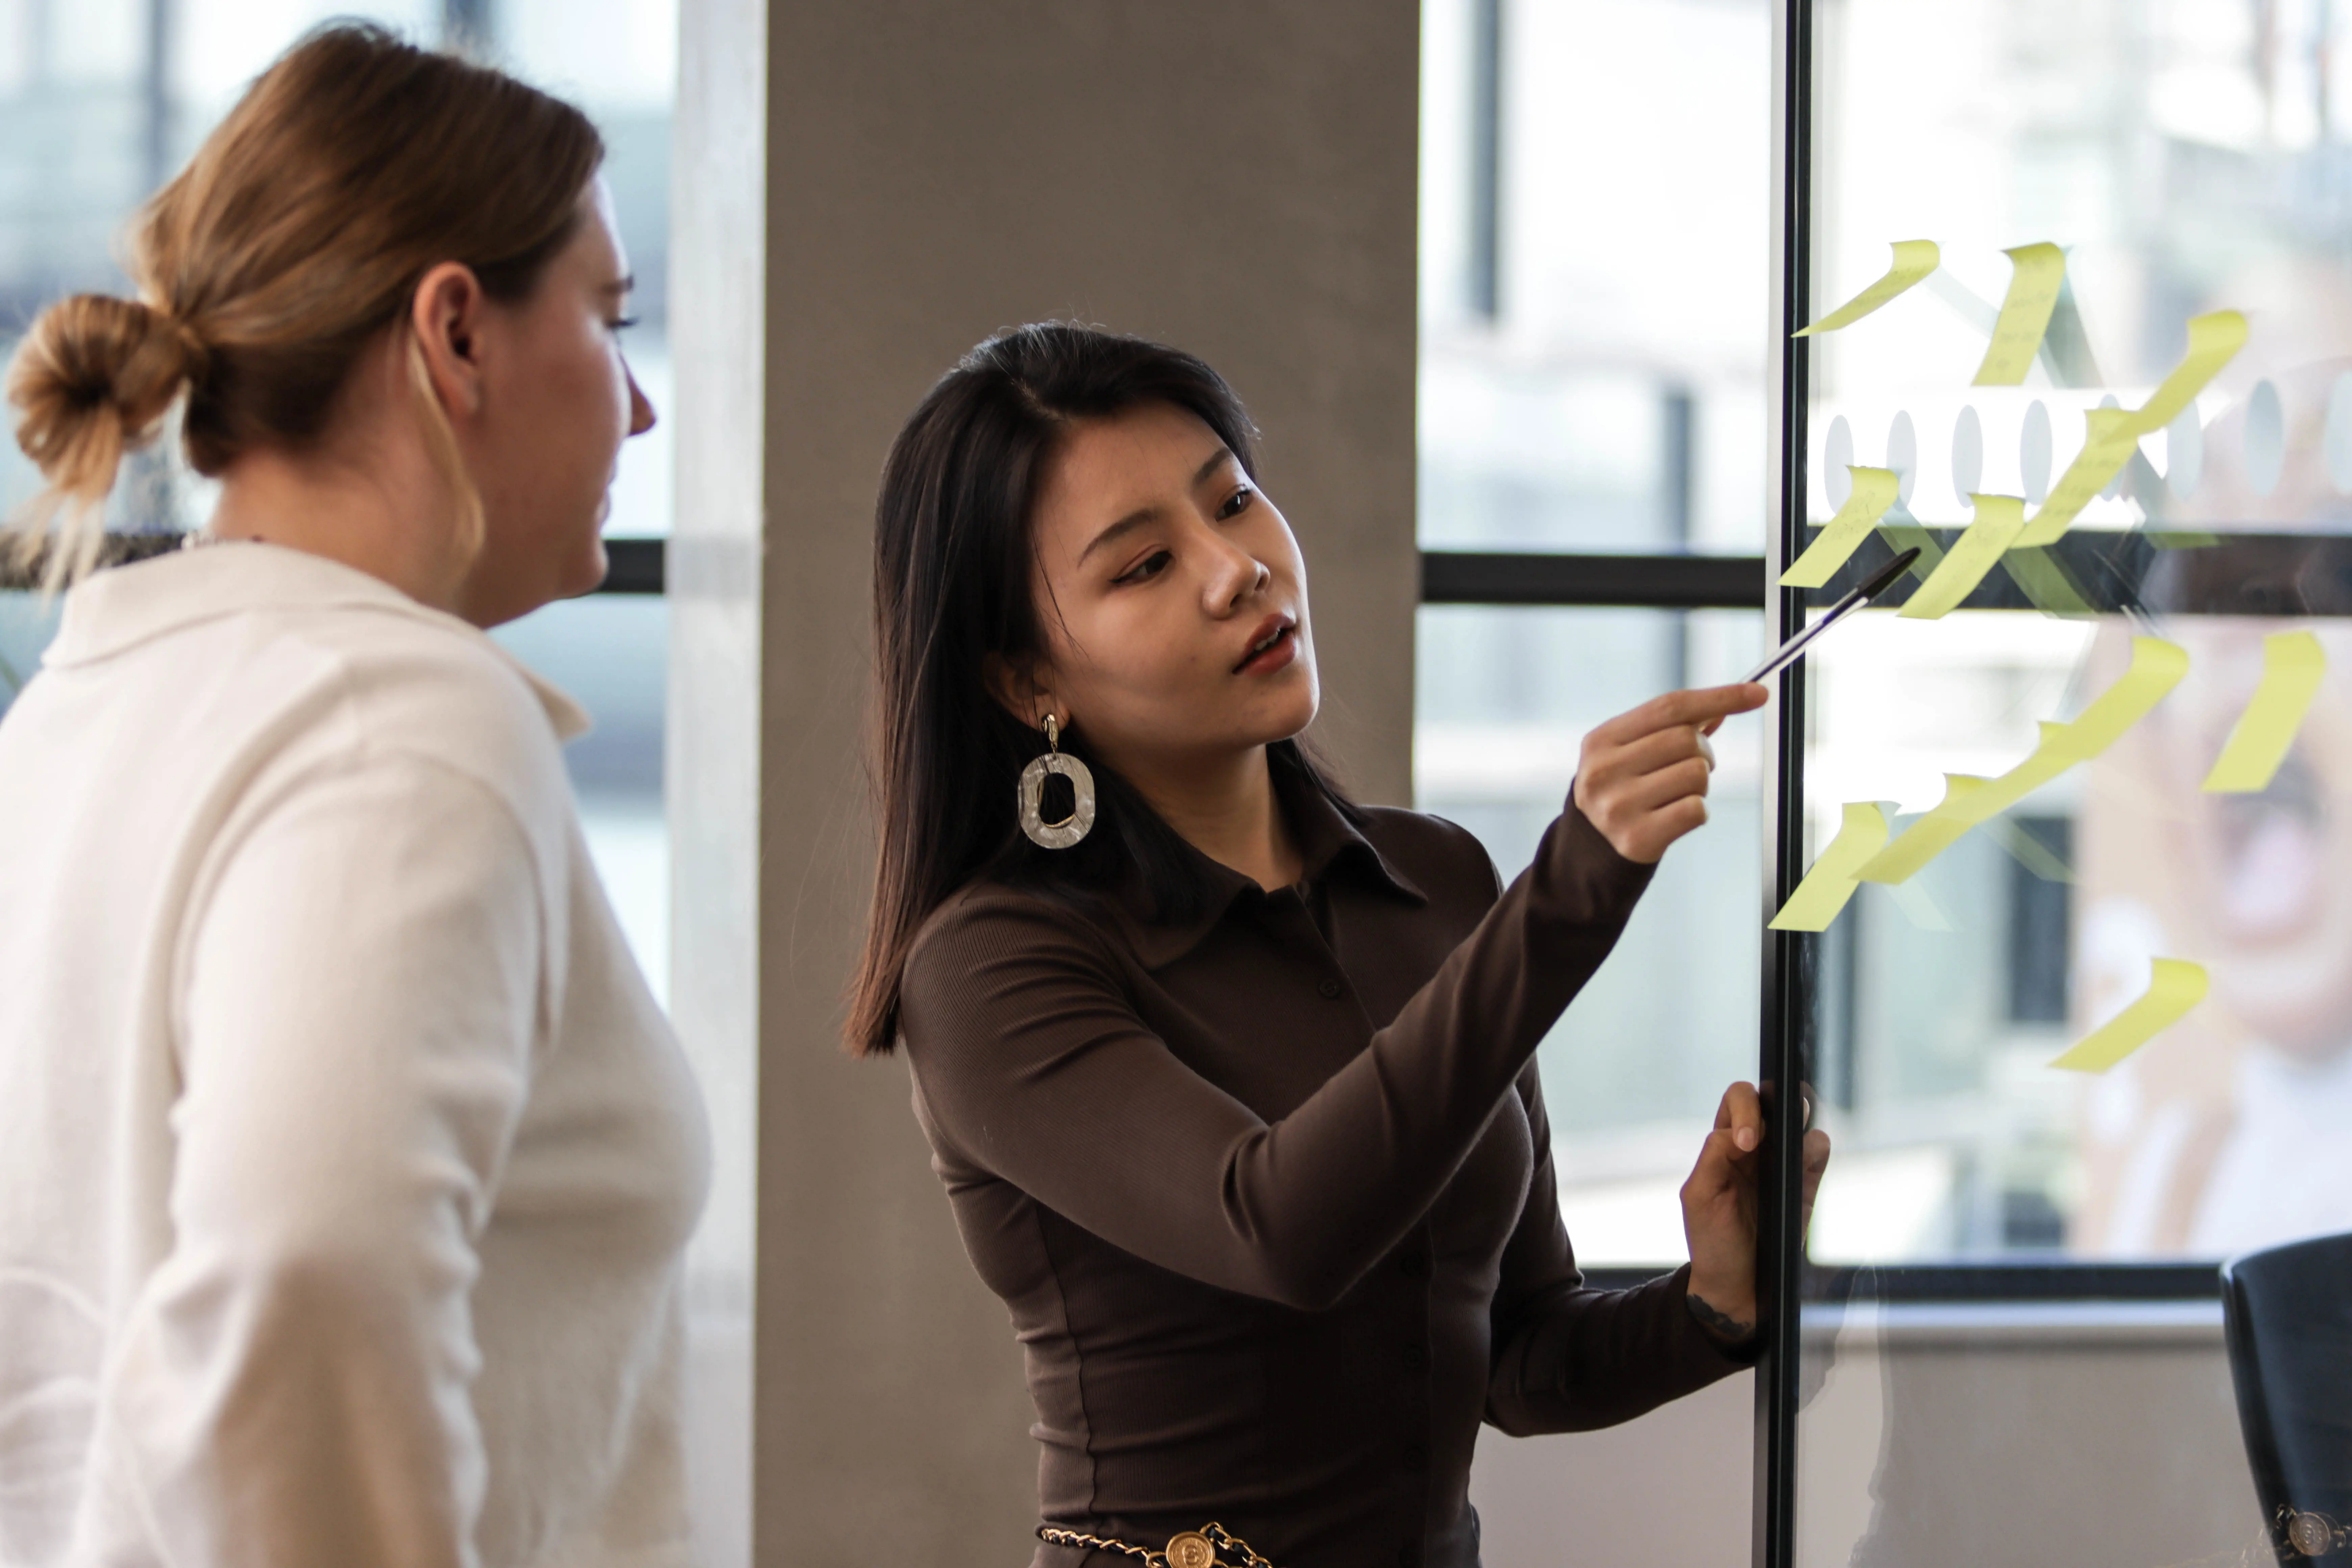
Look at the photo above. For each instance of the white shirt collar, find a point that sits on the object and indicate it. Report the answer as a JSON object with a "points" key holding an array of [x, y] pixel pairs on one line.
{"points": [[125, 605]]}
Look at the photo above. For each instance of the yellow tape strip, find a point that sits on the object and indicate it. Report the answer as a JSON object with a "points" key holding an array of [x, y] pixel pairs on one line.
{"points": [[2293, 664], [1914, 260], [1968, 802], [2036, 274], [2157, 666], [2114, 435], [2177, 987], [1873, 493], [1829, 883], [1978, 550], [2213, 340]]}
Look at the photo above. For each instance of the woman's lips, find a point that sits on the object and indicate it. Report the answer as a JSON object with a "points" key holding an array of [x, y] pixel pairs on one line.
{"points": [[1279, 653]]}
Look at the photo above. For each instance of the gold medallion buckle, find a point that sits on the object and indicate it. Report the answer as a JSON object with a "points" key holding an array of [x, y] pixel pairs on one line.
{"points": [[1186, 1548]]}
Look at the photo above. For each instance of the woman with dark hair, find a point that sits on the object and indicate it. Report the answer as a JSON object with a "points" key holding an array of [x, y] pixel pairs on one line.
{"points": [[1230, 1079]]}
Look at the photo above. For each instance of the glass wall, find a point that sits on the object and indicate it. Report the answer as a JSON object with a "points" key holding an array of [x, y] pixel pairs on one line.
{"points": [[2188, 156], [2101, 1039]]}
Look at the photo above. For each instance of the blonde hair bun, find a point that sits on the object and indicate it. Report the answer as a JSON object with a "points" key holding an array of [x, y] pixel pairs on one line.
{"points": [[93, 381], [292, 244]]}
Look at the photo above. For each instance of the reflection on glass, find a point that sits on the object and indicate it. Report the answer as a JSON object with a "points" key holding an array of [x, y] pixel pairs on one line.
{"points": [[1595, 233], [1632, 1072]]}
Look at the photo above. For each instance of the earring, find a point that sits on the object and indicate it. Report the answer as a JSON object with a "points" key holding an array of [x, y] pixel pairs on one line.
{"points": [[1070, 829]]}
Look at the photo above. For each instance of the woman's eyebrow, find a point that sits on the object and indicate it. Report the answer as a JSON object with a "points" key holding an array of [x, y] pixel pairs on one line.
{"points": [[1141, 515], [1119, 529], [621, 287]]}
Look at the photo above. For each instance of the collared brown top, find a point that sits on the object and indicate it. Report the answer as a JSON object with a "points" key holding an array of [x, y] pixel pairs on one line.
{"points": [[1270, 1193]]}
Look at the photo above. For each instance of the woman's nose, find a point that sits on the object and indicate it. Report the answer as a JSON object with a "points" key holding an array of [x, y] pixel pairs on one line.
{"points": [[641, 408], [1236, 579]]}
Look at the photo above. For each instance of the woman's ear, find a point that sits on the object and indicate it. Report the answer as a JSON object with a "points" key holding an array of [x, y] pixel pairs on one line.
{"points": [[1019, 691], [444, 316]]}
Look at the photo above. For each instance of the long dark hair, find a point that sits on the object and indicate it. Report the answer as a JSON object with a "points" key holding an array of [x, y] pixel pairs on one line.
{"points": [[953, 570]]}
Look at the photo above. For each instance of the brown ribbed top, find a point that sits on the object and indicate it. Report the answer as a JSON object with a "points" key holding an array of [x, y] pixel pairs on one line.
{"points": [[1270, 1193]]}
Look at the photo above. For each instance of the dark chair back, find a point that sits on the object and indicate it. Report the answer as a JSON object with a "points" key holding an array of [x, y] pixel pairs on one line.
{"points": [[2288, 1311]]}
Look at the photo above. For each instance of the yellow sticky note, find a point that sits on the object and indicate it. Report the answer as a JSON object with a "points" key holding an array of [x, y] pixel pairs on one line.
{"points": [[1830, 882], [2036, 274], [2157, 666], [1978, 549], [1914, 260], [1968, 802], [2114, 435], [2214, 341], [2293, 666], [2177, 987], [1873, 493]]}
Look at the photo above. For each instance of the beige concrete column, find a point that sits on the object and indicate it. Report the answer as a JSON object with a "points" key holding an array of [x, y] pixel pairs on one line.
{"points": [[1234, 176]]}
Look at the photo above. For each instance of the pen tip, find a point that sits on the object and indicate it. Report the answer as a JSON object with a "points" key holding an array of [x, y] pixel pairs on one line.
{"points": [[1884, 577]]}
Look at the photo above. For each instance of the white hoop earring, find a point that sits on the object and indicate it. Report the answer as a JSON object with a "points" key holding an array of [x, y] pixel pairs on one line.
{"points": [[1070, 829]]}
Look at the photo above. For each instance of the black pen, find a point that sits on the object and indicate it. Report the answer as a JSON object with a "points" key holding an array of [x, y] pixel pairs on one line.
{"points": [[1880, 581]]}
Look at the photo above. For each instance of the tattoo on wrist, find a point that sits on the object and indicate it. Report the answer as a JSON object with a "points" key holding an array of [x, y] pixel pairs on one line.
{"points": [[1729, 1329]]}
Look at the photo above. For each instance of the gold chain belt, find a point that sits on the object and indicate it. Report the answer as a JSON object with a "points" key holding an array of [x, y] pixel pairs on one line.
{"points": [[1202, 1548], [2305, 1534]]}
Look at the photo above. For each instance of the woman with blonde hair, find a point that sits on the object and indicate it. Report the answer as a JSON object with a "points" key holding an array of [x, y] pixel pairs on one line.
{"points": [[346, 1161]]}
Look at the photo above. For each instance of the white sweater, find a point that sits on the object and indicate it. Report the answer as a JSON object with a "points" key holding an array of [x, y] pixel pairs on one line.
{"points": [[345, 1160]]}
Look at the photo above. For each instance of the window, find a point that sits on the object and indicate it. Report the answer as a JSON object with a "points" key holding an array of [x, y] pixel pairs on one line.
{"points": [[1595, 326], [1632, 1072], [1593, 397]]}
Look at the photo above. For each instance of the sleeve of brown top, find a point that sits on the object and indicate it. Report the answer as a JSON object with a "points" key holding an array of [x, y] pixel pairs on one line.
{"points": [[1034, 1066], [1569, 1359]]}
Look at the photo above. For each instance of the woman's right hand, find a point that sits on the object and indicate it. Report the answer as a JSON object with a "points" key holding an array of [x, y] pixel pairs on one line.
{"points": [[1640, 778]]}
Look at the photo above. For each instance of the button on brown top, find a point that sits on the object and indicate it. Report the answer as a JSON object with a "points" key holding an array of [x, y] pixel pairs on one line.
{"points": [[1210, 1198]]}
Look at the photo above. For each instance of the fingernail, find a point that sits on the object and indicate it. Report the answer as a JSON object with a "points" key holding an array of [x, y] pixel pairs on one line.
{"points": [[1744, 1138]]}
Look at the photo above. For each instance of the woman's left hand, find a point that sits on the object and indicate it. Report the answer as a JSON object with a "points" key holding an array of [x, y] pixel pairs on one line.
{"points": [[1719, 1212]]}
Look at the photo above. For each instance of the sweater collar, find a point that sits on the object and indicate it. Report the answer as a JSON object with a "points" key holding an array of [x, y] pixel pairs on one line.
{"points": [[123, 606]]}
